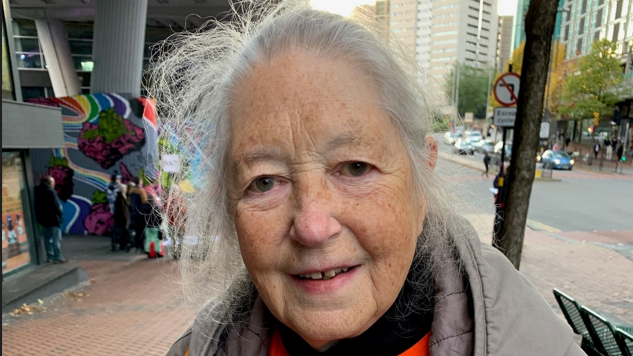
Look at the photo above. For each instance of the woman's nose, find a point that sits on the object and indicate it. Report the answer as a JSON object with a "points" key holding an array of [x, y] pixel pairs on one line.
{"points": [[314, 220]]}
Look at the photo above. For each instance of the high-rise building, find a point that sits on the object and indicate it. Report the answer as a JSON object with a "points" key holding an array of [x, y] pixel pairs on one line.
{"points": [[450, 31], [382, 11], [403, 22], [588, 21], [441, 33], [519, 22], [504, 41]]}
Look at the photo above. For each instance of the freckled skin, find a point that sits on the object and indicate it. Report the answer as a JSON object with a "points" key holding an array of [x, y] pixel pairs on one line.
{"points": [[317, 213]]}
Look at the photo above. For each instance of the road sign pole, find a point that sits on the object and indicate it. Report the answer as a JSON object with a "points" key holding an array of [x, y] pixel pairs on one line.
{"points": [[505, 118]]}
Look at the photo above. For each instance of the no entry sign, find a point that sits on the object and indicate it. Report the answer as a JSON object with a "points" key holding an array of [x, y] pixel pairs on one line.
{"points": [[506, 89]]}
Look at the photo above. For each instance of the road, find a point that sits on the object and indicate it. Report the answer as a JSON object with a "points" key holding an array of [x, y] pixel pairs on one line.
{"points": [[580, 201]]}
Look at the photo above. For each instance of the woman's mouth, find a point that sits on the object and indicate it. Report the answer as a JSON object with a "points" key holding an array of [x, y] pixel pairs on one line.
{"points": [[324, 275]]}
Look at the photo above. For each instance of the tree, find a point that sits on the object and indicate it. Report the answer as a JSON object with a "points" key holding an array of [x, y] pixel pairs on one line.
{"points": [[539, 27], [471, 81], [597, 84]]}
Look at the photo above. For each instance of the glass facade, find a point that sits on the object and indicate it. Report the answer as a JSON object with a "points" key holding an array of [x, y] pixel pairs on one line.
{"points": [[15, 243], [7, 82], [30, 56]]}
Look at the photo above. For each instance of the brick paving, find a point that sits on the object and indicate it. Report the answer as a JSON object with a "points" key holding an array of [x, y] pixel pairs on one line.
{"points": [[136, 309], [598, 277]]}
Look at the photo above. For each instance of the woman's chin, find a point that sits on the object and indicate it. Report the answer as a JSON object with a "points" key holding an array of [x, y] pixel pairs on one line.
{"points": [[322, 329]]}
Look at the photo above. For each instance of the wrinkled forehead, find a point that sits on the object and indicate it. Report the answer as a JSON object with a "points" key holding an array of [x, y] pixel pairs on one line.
{"points": [[297, 93]]}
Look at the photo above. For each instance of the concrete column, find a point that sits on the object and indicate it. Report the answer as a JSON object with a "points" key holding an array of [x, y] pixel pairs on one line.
{"points": [[119, 40], [54, 41]]}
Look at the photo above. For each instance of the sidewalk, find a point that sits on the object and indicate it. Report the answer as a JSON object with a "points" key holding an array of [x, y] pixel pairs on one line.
{"points": [[597, 274], [130, 306]]}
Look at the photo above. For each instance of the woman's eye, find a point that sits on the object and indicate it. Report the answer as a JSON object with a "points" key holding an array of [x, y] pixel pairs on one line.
{"points": [[355, 169], [263, 184]]}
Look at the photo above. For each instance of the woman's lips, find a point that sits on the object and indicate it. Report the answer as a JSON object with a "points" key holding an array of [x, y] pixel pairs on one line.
{"points": [[325, 282], [324, 275]]}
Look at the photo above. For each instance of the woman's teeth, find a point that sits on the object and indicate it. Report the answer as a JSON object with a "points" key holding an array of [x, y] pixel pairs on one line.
{"points": [[324, 275]]}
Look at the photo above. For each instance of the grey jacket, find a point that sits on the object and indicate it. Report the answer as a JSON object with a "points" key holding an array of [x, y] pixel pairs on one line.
{"points": [[485, 308]]}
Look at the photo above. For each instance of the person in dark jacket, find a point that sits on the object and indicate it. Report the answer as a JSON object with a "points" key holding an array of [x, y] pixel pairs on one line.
{"points": [[620, 152], [139, 207], [48, 212], [121, 220], [486, 163]]}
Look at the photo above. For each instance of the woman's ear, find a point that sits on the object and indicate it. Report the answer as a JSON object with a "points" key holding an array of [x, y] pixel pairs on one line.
{"points": [[432, 144]]}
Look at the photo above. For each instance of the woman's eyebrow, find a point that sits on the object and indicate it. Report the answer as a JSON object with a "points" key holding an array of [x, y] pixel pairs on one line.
{"points": [[262, 155], [343, 140]]}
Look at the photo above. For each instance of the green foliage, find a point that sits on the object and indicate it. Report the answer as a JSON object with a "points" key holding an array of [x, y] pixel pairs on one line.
{"points": [[111, 127], [440, 124], [473, 88], [596, 85], [58, 162], [99, 197]]}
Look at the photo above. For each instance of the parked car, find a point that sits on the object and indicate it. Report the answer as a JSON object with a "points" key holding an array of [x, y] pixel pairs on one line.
{"points": [[556, 160], [450, 138], [474, 136], [484, 146], [463, 146]]}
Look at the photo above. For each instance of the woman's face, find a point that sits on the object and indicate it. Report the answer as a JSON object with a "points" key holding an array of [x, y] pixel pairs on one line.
{"points": [[322, 195]]}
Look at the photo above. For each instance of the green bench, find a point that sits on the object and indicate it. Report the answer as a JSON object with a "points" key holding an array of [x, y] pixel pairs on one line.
{"points": [[599, 336]]}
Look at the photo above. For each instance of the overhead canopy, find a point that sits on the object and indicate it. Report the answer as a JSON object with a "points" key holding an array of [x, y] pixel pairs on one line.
{"points": [[31, 126]]}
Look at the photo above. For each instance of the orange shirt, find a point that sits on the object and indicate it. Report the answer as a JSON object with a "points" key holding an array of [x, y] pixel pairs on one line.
{"points": [[421, 348]]}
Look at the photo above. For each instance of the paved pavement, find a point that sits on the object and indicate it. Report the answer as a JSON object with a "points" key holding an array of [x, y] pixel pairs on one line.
{"points": [[131, 306], [597, 276]]}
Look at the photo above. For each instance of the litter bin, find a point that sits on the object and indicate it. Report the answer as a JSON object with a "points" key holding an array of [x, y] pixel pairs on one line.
{"points": [[539, 170]]}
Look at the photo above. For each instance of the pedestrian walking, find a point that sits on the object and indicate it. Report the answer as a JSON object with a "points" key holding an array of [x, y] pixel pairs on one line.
{"points": [[48, 213], [567, 141], [138, 209], [596, 150], [486, 163], [609, 152], [121, 235], [620, 152], [614, 142]]}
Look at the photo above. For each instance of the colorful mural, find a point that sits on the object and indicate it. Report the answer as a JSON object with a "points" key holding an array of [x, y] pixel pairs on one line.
{"points": [[104, 134]]}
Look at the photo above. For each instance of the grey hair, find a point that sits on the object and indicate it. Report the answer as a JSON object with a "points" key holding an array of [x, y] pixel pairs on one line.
{"points": [[193, 84]]}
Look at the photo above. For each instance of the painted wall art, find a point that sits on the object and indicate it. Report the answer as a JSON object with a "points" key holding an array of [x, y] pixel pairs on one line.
{"points": [[104, 134]]}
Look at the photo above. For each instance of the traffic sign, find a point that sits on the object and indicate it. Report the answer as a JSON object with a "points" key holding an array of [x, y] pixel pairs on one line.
{"points": [[544, 132], [505, 117], [506, 89]]}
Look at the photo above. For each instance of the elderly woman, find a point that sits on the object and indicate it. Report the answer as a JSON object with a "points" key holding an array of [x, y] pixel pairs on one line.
{"points": [[322, 228]]}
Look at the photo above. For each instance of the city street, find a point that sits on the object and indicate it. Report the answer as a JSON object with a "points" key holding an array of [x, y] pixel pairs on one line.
{"points": [[577, 201]]}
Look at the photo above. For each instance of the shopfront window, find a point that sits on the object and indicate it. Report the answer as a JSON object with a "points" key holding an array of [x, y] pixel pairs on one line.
{"points": [[7, 84], [15, 245]]}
